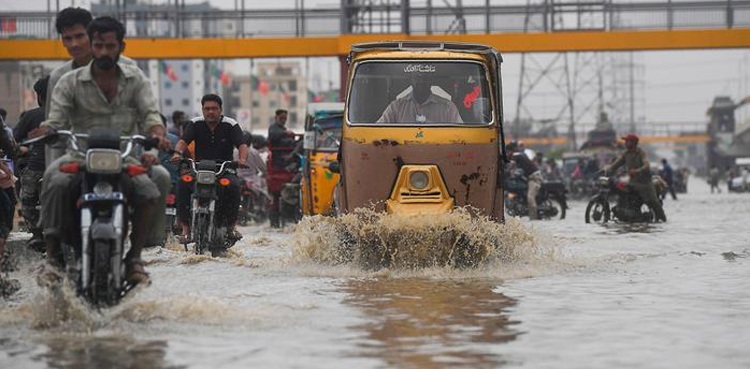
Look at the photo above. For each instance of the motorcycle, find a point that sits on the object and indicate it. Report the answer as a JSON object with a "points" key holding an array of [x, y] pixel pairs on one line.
{"points": [[628, 205], [95, 262], [171, 226], [551, 200], [255, 201], [206, 234], [290, 207]]}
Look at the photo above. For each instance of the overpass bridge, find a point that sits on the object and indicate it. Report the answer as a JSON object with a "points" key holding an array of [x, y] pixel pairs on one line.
{"points": [[189, 31]]}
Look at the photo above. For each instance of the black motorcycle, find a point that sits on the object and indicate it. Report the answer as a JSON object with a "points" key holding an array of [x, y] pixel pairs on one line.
{"points": [[96, 259], [551, 200], [206, 232], [617, 200]]}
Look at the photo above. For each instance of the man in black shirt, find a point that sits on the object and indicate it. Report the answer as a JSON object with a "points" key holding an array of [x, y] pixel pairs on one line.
{"points": [[215, 138], [31, 165]]}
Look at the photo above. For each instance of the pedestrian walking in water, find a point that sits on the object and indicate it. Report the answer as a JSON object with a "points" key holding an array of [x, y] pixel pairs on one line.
{"points": [[713, 178], [668, 175]]}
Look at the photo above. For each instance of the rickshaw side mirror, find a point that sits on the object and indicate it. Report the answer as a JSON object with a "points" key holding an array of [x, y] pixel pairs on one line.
{"points": [[334, 166]]}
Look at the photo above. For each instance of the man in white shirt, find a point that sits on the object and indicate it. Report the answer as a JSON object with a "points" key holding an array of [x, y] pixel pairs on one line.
{"points": [[420, 105]]}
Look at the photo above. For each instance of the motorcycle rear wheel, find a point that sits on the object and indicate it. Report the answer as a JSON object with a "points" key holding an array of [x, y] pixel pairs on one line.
{"points": [[597, 211], [552, 203]]}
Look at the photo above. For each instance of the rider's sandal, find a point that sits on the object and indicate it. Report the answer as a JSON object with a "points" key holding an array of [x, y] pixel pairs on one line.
{"points": [[135, 273]]}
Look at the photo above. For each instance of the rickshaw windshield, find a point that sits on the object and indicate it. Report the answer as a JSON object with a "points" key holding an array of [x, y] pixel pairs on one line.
{"points": [[430, 92], [329, 132]]}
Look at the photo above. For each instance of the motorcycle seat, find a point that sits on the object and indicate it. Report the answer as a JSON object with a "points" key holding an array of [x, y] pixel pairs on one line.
{"points": [[553, 186]]}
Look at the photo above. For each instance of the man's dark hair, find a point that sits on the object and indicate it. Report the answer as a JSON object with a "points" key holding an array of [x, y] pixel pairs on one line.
{"points": [[281, 111], [211, 97], [40, 87], [69, 17], [102, 25], [3, 113], [176, 114]]}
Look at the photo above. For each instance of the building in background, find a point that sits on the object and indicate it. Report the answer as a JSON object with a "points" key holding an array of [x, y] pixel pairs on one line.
{"points": [[16, 86], [278, 85]]}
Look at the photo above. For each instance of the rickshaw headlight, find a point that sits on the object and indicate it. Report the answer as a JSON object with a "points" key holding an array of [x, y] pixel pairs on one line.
{"points": [[419, 180]]}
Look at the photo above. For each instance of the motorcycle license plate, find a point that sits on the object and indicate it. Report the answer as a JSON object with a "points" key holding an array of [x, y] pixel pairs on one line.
{"points": [[171, 211]]}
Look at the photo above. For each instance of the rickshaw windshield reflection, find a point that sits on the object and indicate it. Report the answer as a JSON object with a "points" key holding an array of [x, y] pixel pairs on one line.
{"points": [[420, 92], [329, 132]]}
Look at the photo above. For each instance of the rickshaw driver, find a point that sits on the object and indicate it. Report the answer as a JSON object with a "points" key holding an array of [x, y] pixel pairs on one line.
{"points": [[421, 105]]}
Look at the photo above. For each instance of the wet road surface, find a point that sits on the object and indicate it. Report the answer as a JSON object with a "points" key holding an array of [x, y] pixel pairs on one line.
{"points": [[570, 295]]}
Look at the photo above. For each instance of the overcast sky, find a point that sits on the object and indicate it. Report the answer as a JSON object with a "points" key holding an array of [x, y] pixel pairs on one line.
{"points": [[671, 86]]}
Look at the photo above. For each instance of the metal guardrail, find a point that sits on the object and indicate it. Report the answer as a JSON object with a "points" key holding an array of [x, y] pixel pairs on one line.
{"points": [[162, 21]]}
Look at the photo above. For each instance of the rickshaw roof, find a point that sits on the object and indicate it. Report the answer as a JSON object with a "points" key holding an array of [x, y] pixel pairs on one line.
{"points": [[426, 48], [326, 108]]}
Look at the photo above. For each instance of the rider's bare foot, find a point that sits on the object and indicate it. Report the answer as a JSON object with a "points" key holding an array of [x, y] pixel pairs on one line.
{"points": [[135, 273]]}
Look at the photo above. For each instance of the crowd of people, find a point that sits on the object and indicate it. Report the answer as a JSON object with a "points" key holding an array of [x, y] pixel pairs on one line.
{"points": [[99, 88]]}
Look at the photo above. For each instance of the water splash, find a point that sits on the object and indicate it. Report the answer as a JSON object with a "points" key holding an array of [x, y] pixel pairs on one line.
{"points": [[374, 240], [189, 309]]}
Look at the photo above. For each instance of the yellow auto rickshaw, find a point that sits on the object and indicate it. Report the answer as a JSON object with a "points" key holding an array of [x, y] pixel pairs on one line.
{"points": [[422, 129], [321, 144]]}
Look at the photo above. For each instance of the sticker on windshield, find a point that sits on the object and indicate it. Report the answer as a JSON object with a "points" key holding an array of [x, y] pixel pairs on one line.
{"points": [[420, 68]]}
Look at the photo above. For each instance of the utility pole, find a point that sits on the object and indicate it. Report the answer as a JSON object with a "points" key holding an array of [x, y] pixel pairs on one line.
{"points": [[631, 67]]}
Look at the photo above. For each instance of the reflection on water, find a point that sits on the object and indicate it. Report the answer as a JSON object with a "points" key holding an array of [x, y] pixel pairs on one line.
{"points": [[111, 352], [424, 323]]}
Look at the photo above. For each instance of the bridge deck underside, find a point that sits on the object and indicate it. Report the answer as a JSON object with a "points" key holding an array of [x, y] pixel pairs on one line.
{"points": [[226, 48]]}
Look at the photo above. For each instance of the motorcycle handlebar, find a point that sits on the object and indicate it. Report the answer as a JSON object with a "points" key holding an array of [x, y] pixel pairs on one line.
{"points": [[74, 137], [229, 164]]}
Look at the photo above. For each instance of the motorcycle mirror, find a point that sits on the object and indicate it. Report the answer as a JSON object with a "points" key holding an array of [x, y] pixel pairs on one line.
{"points": [[334, 166]]}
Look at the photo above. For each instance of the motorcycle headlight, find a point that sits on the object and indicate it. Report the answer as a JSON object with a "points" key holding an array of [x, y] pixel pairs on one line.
{"points": [[103, 161], [419, 180], [603, 181], [205, 177]]}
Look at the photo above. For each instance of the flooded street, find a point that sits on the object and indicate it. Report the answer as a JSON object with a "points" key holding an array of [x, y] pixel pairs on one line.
{"points": [[569, 295]]}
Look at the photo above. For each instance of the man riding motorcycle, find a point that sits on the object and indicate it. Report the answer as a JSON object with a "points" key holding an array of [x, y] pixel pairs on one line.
{"points": [[636, 163], [532, 173], [104, 94], [216, 137]]}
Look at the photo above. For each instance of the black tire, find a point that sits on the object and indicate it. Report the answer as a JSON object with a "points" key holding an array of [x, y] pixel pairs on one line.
{"points": [[200, 232], [169, 222], [557, 203], [102, 291], [598, 211], [246, 210]]}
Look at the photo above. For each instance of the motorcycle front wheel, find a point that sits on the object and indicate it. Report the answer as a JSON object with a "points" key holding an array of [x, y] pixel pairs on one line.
{"points": [[102, 292], [597, 211], [200, 233]]}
